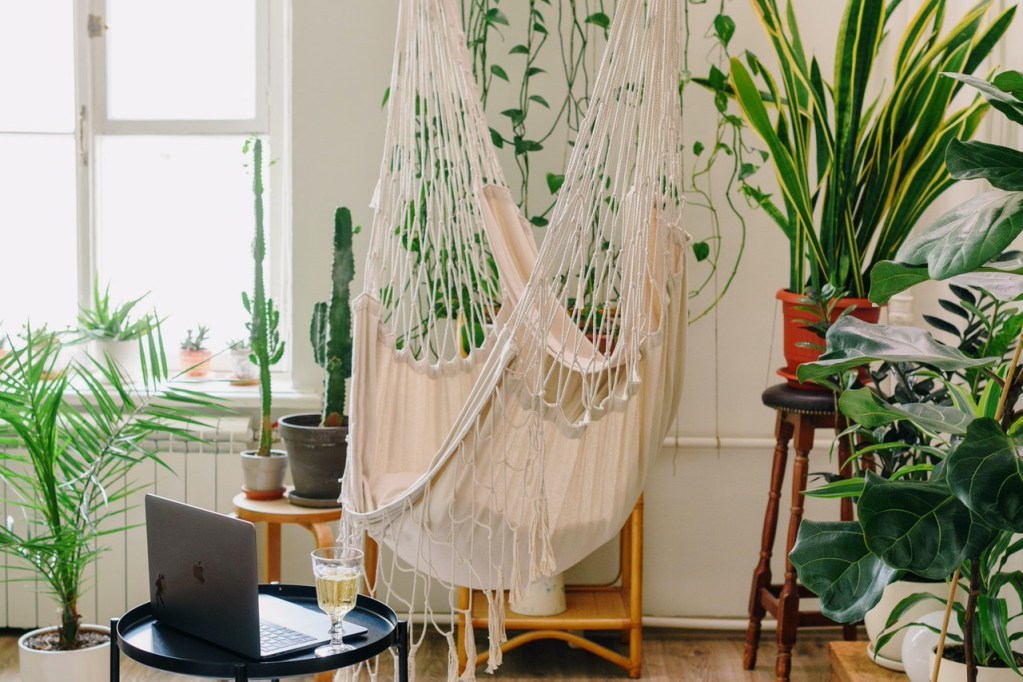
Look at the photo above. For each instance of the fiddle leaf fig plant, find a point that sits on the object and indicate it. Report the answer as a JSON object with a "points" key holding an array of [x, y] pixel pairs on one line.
{"points": [[958, 519]]}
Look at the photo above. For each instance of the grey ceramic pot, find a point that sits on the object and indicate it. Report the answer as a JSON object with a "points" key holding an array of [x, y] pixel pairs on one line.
{"points": [[317, 456], [263, 477]]}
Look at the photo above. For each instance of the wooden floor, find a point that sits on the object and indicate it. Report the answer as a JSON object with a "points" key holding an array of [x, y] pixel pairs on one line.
{"points": [[668, 656]]}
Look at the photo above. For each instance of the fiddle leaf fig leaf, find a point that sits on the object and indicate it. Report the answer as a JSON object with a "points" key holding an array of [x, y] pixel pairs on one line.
{"points": [[853, 343], [967, 237], [1001, 166], [888, 278], [1003, 285], [833, 561], [986, 473], [919, 526], [864, 407]]}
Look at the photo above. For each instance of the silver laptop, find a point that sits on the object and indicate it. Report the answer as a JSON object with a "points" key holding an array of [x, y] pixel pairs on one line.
{"points": [[203, 580]]}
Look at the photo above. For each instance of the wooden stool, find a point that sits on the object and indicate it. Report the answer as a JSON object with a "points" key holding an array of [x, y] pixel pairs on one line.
{"points": [[800, 414]]}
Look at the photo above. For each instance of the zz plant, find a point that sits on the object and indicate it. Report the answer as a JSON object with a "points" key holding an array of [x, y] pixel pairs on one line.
{"points": [[331, 328], [961, 517]]}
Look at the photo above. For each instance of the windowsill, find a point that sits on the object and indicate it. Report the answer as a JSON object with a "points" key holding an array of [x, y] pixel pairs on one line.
{"points": [[244, 396]]}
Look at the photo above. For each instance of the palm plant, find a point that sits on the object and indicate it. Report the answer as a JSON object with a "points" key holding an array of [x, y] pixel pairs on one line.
{"points": [[855, 172], [67, 441]]}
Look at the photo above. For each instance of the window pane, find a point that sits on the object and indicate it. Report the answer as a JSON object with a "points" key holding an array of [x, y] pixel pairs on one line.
{"points": [[37, 76], [187, 59], [38, 242], [176, 219]]}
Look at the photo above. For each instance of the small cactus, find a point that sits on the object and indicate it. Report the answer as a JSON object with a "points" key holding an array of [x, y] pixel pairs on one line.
{"points": [[331, 328]]}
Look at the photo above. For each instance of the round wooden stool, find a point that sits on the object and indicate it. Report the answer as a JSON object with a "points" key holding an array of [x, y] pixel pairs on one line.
{"points": [[799, 414]]}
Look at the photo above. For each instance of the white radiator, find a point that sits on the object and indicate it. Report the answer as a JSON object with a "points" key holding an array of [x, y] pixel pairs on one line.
{"points": [[207, 475]]}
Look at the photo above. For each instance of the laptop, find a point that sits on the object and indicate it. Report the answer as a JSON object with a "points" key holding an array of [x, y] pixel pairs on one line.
{"points": [[203, 580]]}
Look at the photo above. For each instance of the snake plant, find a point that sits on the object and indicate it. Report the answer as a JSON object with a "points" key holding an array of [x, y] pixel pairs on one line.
{"points": [[856, 171]]}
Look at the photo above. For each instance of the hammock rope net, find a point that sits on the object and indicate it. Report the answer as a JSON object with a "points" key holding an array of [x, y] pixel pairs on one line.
{"points": [[508, 402]]}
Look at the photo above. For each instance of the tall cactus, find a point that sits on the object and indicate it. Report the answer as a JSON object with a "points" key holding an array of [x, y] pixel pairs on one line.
{"points": [[266, 343], [331, 328]]}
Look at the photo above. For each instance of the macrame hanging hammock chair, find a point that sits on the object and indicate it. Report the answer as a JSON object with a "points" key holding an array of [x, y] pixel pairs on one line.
{"points": [[507, 404]]}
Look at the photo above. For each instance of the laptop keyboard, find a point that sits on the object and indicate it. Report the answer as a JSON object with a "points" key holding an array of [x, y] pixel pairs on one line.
{"points": [[273, 637]]}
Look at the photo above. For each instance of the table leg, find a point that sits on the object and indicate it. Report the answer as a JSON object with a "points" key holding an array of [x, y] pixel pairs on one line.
{"points": [[402, 651], [115, 653], [323, 534], [273, 552]]}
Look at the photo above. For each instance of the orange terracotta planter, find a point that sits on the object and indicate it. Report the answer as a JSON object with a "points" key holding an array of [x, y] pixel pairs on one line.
{"points": [[195, 363], [795, 334]]}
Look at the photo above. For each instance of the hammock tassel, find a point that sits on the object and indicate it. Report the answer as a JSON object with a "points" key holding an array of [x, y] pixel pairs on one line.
{"points": [[495, 630], [469, 640]]}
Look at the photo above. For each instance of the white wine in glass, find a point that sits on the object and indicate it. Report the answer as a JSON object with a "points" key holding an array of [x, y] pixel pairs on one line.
{"points": [[336, 571]]}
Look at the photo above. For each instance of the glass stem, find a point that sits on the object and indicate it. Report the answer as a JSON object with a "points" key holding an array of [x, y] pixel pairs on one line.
{"points": [[336, 630]]}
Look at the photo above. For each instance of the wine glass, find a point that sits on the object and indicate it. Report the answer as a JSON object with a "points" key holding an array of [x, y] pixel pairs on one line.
{"points": [[336, 570]]}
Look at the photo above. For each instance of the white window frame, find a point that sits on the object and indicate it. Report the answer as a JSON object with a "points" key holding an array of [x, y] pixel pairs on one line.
{"points": [[272, 120]]}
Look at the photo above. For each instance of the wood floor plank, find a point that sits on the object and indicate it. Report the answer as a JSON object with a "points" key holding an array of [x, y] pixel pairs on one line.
{"points": [[668, 656]]}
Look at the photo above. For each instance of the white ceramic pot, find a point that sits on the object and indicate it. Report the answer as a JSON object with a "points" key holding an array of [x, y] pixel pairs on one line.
{"points": [[243, 371], [263, 477], [890, 655], [956, 672], [80, 665], [124, 353], [545, 597], [917, 652]]}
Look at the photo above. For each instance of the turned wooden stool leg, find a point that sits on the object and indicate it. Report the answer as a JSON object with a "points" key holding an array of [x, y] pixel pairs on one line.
{"points": [[762, 574]]}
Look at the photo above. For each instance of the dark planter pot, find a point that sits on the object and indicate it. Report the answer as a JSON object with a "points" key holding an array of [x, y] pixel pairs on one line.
{"points": [[795, 334], [317, 456]]}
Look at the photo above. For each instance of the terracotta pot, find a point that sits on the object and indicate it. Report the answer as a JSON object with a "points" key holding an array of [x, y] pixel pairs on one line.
{"points": [[82, 665], [795, 334], [195, 363]]}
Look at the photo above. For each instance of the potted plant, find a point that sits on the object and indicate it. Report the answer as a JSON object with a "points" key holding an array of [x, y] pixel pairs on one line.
{"points": [[243, 371], [961, 517], [317, 443], [67, 442], [856, 172], [263, 469], [195, 356], [113, 330]]}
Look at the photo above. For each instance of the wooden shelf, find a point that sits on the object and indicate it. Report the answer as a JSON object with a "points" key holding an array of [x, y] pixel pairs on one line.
{"points": [[590, 607]]}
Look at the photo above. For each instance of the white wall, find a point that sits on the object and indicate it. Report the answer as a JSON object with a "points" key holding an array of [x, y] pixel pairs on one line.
{"points": [[705, 500]]}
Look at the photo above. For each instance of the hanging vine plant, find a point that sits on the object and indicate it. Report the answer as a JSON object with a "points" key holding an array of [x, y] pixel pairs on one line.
{"points": [[510, 52]]}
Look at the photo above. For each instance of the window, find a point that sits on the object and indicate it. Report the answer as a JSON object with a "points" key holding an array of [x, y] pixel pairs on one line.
{"points": [[121, 157]]}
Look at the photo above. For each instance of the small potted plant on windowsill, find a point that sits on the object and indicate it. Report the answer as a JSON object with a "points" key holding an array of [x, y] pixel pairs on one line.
{"points": [[69, 436], [243, 371], [263, 469], [317, 443], [195, 356], [113, 331]]}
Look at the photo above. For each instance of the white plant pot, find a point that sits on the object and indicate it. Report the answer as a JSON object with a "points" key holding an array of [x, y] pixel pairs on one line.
{"points": [[956, 672], [545, 597], [80, 665], [263, 477], [124, 353], [242, 369], [890, 655], [917, 651]]}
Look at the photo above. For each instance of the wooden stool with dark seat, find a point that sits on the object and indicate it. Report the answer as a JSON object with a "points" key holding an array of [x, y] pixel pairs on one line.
{"points": [[800, 414]]}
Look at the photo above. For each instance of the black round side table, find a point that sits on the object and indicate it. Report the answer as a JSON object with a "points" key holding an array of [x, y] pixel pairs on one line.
{"points": [[144, 639]]}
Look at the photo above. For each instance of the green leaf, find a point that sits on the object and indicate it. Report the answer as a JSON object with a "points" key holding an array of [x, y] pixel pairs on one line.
{"points": [[1010, 82], [494, 16], [1001, 166], [864, 407], [534, 70], [724, 28], [888, 278], [554, 182], [497, 139], [499, 72], [599, 19], [540, 100], [517, 116], [697, 148], [539, 221], [845, 487], [919, 526], [833, 561], [519, 49], [967, 237], [854, 343], [701, 250], [1005, 102], [993, 615], [1005, 286], [986, 474]]}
